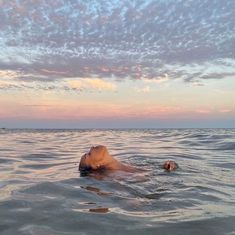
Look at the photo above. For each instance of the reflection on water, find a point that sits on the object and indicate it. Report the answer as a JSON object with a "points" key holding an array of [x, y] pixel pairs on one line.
{"points": [[42, 192], [99, 210], [96, 190]]}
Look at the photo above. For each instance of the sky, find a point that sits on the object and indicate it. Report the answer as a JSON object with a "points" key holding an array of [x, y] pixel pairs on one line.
{"points": [[117, 63]]}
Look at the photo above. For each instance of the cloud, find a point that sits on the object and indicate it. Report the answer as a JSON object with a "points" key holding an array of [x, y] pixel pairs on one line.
{"points": [[8, 85], [53, 40], [208, 111], [22, 75], [49, 72], [160, 79], [10, 79], [225, 110], [218, 75], [9, 74], [203, 111], [91, 83]]}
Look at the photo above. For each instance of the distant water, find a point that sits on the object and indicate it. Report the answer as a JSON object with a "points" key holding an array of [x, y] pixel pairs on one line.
{"points": [[41, 191]]}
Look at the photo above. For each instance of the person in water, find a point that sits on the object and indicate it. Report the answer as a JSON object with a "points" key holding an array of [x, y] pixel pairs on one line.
{"points": [[99, 159]]}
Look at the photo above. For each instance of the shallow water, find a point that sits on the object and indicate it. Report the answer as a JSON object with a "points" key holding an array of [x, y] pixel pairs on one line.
{"points": [[41, 191]]}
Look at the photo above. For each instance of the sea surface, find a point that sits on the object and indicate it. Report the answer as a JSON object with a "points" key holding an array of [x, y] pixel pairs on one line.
{"points": [[42, 192]]}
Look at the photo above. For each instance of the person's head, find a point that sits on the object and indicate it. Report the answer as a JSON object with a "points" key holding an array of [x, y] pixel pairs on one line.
{"points": [[95, 159], [170, 165]]}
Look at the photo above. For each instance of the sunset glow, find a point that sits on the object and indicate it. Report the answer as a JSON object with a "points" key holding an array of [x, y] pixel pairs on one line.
{"points": [[95, 64]]}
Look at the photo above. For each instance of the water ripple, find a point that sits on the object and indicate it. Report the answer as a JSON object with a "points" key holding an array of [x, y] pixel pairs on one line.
{"points": [[41, 191]]}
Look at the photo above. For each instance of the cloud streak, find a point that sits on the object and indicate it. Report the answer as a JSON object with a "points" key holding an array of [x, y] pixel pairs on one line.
{"points": [[91, 84]]}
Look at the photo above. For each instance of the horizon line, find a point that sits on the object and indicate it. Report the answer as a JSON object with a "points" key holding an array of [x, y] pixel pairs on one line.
{"points": [[108, 128]]}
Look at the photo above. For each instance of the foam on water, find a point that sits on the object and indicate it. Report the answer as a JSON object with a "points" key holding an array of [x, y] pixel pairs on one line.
{"points": [[42, 192]]}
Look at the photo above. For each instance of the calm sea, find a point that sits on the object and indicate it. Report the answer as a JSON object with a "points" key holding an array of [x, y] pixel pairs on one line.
{"points": [[42, 192]]}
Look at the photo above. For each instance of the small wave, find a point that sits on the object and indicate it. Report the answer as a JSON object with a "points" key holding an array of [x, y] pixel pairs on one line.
{"points": [[7, 160], [156, 195], [206, 193], [226, 146], [57, 190], [221, 136], [197, 136], [6, 150], [42, 166], [26, 141], [39, 157], [226, 165], [186, 156]]}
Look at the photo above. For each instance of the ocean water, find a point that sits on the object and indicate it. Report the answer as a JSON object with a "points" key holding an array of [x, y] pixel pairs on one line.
{"points": [[42, 192]]}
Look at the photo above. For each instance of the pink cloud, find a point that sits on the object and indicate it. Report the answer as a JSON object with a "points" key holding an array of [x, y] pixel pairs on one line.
{"points": [[225, 111], [203, 111]]}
